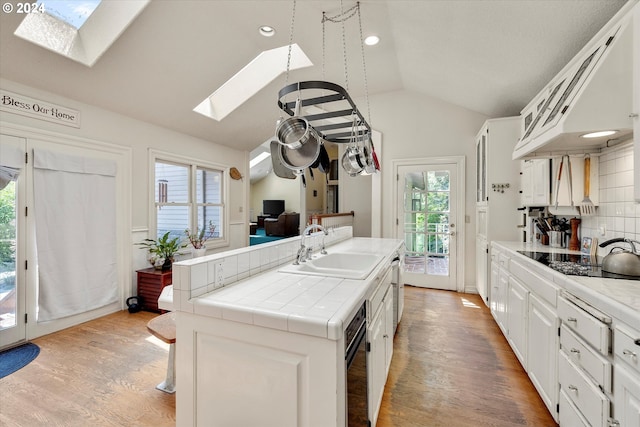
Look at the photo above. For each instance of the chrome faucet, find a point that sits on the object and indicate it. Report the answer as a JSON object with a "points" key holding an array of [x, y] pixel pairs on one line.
{"points": [[304, 253]]}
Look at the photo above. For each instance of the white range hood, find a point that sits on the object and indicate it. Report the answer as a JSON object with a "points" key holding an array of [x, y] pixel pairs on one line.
{"points": [[593, 93]]}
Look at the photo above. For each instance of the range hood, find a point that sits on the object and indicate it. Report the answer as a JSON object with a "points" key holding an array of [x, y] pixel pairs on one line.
{"points": [[591, 94]]}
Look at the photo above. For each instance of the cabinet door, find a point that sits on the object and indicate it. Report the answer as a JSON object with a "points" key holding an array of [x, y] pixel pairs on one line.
{"points": [[376, 364], [526, 183], [627, 396], [540, 182], [499, 297], [517, 304], [543, 347], [388, 327], [482, 259]]}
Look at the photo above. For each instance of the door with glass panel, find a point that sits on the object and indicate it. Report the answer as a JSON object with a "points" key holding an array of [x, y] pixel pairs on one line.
{"points": [[426, 220], [12, 252]]}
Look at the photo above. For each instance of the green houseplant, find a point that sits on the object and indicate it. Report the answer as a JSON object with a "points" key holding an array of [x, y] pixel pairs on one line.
{"points": [[163, 248]]}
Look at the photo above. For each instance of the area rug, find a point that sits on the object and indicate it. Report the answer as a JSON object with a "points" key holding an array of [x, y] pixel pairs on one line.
{"points": [[16, 358], [260, 237]]}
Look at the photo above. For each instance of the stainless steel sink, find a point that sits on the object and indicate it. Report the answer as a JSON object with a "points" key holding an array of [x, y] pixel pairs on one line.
{"points": [[346, 265]]}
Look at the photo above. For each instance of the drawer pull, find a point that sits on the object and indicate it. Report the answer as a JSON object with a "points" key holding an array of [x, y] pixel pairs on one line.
{"points": [[575, 351], [629, 353], [571, 319], [573, 388], [637, 342]]}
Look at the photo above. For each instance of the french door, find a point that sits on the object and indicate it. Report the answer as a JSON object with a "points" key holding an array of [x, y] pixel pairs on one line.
{"points": [[12, 251], [427, 220]]}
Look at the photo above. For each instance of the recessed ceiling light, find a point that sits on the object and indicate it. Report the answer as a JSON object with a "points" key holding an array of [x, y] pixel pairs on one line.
{"points": [[599, 134], [267, 31], [371, 40]]}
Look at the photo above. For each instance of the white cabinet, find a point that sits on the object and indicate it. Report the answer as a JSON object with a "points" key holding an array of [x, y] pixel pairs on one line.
{"points": [[535, 182], [482, 265], [542, 350], [380, 347], [627, 376], [517, 308], [497, 196], [499, 288]]}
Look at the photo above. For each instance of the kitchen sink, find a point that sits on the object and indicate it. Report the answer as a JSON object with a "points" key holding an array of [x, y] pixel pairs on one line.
{"points": [[346, 265]]}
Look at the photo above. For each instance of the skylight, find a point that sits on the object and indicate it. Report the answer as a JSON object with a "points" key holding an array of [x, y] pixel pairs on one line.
{"points": [[257, 74], [73, 12], [65, 27]]}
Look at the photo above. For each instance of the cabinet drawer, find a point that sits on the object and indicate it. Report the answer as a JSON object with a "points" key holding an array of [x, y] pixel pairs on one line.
{"points": [[585, 395], [592, 362], [593, 331], [627, 346], [379, 293], [541, 287], [569, 414]]}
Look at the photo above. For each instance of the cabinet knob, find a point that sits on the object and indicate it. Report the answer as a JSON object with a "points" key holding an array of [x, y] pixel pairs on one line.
{"points": [[575, 351], [573, 388], [629, 353], [571, 319], [385, 336]]}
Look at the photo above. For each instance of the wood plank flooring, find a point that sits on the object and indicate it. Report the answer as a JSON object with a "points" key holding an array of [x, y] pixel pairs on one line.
{"points": [[451, 367]]}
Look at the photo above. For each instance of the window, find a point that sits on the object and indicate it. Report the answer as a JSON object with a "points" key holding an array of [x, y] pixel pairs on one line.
{"points": [[188, 196]]}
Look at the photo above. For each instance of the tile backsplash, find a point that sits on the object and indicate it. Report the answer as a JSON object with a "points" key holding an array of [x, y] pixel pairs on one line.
{"points": [[618, 215]]}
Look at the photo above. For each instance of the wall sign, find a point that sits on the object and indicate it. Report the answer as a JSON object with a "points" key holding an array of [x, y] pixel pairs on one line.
{"points": [[43, 110]]}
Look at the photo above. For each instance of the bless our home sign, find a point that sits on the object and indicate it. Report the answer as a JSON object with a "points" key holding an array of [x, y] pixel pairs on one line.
{"points": [[43, 110]]}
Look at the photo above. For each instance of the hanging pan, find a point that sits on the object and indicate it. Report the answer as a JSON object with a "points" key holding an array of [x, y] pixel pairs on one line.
{"points": [[299, 142], [279, 169]]}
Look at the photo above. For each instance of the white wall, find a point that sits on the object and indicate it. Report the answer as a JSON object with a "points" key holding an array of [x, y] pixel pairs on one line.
{"points": [[272, 187], [617, 213], [104, 126]]}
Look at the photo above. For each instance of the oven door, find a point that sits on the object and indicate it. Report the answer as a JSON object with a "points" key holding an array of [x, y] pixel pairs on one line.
{"points": [[356, 376]]}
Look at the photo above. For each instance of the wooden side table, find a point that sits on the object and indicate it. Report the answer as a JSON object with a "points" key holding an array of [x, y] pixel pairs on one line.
{"points": [[150, 285]]}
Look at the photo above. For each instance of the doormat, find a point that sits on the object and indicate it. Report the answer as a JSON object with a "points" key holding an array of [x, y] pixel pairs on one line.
{"points": [[16, 358]]}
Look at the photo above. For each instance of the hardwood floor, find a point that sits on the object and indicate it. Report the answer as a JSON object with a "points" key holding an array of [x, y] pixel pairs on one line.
{"points": [[451, 367]]}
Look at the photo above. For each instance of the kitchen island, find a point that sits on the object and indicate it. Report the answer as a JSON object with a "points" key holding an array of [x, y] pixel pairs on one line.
{"points": [[260, 346]]}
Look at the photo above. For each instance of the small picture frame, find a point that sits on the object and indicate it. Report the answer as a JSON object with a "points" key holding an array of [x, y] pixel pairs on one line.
{"points": [[585, 246]]}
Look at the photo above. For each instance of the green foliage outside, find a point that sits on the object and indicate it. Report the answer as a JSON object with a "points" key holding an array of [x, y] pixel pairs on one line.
{"points": [[436, 197], [7, 236]]}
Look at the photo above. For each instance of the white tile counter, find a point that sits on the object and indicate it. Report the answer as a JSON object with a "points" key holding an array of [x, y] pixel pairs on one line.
{"points": [[619, 298], [311, 305]]}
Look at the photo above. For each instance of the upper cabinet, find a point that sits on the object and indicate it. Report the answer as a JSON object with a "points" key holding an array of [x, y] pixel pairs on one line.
{"points": [[535, 182], [592, 93]]}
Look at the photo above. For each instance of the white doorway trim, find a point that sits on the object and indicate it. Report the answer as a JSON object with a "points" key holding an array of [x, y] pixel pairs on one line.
{"points": [[460, 200]]}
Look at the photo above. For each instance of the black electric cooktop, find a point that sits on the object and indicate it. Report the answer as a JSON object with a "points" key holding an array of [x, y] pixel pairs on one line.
{"points": [[574, 264]]}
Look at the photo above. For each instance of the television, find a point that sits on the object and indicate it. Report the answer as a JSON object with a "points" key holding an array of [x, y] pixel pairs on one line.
{"points": [[272, 208]]}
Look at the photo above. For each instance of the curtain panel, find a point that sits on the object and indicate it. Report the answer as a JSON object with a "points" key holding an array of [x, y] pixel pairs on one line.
{"points": [[75, 217]]}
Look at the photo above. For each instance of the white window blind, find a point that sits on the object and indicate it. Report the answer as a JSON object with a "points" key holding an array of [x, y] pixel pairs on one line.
{"points": [[75, 215]]}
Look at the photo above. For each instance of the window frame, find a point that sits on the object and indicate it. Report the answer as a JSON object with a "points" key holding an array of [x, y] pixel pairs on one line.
{"points": [[192, 165]]}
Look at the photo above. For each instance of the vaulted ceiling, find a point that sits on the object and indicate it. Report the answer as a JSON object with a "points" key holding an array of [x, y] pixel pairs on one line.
{"points": [[490, 56]]}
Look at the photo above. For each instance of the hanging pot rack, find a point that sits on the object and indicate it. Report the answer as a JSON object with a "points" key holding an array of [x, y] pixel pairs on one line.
{"points": [[335, 124]]}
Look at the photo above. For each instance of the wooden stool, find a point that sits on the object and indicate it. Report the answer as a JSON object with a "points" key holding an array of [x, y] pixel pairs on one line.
{"points": [[164, 328]]}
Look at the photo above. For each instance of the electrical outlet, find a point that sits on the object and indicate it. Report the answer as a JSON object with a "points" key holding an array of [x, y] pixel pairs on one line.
{"points": [[602, 229], [219, 275]]}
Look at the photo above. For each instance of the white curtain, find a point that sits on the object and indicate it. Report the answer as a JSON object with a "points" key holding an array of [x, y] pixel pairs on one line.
{"points": [[11, 160], [75, 215]]}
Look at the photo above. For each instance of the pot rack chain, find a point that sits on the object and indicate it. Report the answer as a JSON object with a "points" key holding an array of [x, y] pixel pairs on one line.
{"points": [[364, 65], [340, 19], [293, 19]]}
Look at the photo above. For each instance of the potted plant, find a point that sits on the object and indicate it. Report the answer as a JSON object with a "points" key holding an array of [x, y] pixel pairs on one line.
{"points": [[163, 248], [199, 238]]}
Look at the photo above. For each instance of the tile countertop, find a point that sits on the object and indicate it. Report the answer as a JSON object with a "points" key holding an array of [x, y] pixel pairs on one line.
{"points": [[618, 298], [312, 305]]}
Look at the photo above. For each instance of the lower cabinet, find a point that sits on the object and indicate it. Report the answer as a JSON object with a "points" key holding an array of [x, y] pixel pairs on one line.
{"points": [[380, 339], [627, 376], [542, 345], [517, 303]]}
